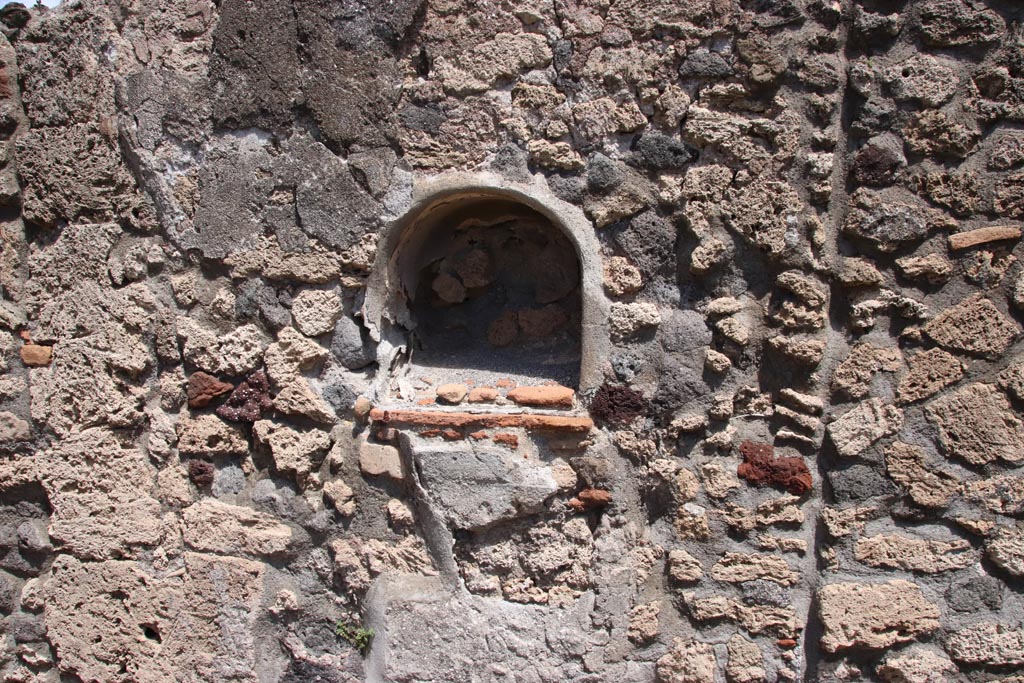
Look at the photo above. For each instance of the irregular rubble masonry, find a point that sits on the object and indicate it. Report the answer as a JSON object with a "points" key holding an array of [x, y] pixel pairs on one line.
{"points": [[762, 258]]}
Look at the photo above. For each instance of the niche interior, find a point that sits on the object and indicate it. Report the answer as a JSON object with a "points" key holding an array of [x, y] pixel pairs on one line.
{"points": [[492, 289]]}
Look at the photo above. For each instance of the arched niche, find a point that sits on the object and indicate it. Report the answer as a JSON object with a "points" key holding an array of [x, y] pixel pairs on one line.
{"points": [[487, 276]]}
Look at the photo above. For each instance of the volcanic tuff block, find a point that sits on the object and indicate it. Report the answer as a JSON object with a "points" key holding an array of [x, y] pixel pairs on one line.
{"points": [[975, 327], [901, 552], [977, 424], [857, 429], [988, 643], [213, 526], [874, 616], [478, 486]]}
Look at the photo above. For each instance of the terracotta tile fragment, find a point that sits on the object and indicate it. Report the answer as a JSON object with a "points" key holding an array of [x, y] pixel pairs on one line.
{"points": [[483, 394], [544, 396], [507, 439], [501, 420], [993, 233], [36, 355], [589, 499]]}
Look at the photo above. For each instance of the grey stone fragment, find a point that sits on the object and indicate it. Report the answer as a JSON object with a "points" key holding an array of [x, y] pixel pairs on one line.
{"points": [[164, 102], [776, 13], [350, 344], [257, 300], [26, 628], [660, 152], [267, 496], [511, 162], [32, 536], [228, 480], [568, 188], [874, 116], [230, 180], [977, 594], [476, 486], [628, 365], [548, 645], [705, 64], [246, 182], [338, 389], [762, 592], [303, 669], [348, 72], [649, 240], [603, 174], [426, 118], [255, 64], [681, 386], [330, 204], [859, 483], [684, 331], [7, 589], [374, 169]]}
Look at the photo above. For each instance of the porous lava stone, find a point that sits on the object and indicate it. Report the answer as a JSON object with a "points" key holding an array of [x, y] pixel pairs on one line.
{"points": [[248, 401], [875, 165], [760, 467], [200, 472], [617, 405]]}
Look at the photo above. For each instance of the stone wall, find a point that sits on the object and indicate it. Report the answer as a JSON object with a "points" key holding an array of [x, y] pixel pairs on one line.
{"points": [[794, 453]]}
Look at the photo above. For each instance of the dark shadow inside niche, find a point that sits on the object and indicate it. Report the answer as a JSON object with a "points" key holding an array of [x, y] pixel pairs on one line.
{"points": [[493, 287]]}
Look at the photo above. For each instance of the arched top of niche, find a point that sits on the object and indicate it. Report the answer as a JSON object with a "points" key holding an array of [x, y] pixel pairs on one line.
{"points": [[387, 306]]}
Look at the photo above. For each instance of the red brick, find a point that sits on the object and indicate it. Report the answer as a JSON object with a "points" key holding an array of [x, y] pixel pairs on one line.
{"points": [[36, 356], [507, 439], [492, 420], [546, 397]]}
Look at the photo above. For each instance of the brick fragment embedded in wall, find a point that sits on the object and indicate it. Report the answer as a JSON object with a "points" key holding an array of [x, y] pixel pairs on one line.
{"points": [[493, 420]]}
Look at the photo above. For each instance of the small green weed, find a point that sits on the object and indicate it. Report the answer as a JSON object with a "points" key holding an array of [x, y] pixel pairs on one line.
{"points": [[358, 637]]}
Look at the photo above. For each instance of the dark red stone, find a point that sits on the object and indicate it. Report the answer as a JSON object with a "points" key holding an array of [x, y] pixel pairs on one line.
{"points": [[614, 404], [248, 401], [200, 472], [875, 165], [203, 388], [760, 467]]}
